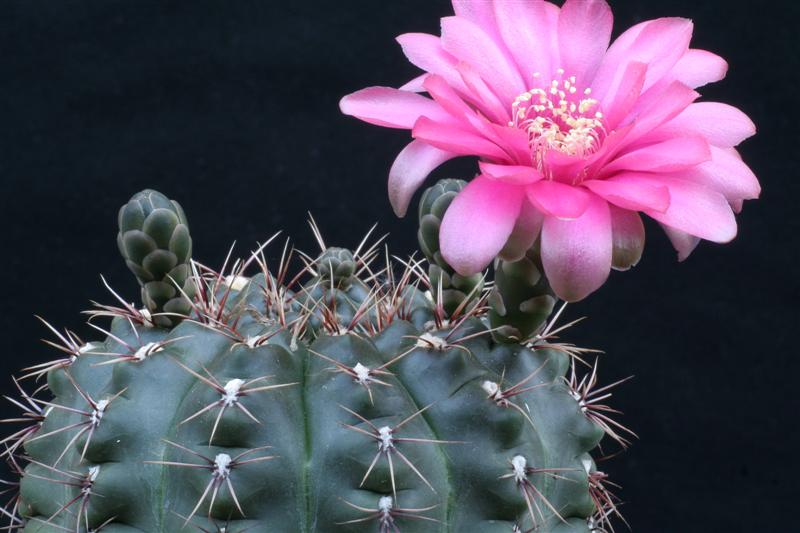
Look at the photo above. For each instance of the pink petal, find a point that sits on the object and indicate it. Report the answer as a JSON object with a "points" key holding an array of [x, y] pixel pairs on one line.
{"points": [[584, 32], [658, 43], [661, 45], [455, 139], [529, 29], [628, 237], [482, 97], [414, 163], [576, 254], [416, 85], [671, 155], [515, 144], [698, 67], [479, 13], [618, 104], [444, 95], [631, 191], [655, 109], [726, 173], [478, 223], [612, 145], [697, 210], [525, 232], [721, 124], [425, 51], [392, 108], [683, 243], [515, 174], [470, 44], [615, 62], [558, 200], [562, 164]]}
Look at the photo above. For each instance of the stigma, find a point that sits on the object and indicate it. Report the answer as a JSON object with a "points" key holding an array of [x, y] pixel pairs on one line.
{"points": [[559, 115]]}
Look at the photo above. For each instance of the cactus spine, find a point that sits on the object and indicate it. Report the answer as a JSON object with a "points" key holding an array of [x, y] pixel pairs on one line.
{"points": [[349, 398]]}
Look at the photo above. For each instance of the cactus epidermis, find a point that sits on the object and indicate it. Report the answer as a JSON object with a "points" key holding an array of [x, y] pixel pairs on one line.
{"points": [[343, 399]]}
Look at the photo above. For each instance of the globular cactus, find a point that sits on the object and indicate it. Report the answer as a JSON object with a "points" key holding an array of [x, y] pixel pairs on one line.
{"points": [[347, 398]]}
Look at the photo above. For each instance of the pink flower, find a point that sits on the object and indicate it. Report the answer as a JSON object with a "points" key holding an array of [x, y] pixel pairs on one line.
{"points": [[576, 138]]}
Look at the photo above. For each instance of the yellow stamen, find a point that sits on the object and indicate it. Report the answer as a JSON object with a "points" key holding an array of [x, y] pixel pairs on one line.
{"points": [[559, 119]]}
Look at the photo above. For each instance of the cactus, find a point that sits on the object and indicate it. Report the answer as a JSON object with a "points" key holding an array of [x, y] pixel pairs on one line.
{"points": [[349, 397]]}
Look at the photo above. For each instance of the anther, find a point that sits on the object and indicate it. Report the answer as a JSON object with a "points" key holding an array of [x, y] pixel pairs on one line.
{"points": [[555, 118]]}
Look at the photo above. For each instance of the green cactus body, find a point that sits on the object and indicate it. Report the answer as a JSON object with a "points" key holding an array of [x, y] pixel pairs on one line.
{"points": [[340, 404]]}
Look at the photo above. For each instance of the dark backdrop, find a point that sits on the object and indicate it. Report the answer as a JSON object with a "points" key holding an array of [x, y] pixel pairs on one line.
{"points": [[231, 107]]}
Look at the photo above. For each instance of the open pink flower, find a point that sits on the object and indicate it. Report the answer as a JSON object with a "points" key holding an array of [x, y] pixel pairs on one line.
{"points": [[576, 138]]}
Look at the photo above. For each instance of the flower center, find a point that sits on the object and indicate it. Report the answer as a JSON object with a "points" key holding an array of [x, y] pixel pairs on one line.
{"points": [[561, 116]]}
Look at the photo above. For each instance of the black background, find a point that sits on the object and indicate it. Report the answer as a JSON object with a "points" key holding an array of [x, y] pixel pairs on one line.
{"points": [[232, 108]]}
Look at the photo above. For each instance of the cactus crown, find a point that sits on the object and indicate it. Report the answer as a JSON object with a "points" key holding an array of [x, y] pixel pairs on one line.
{"points": [[353, 396]]}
